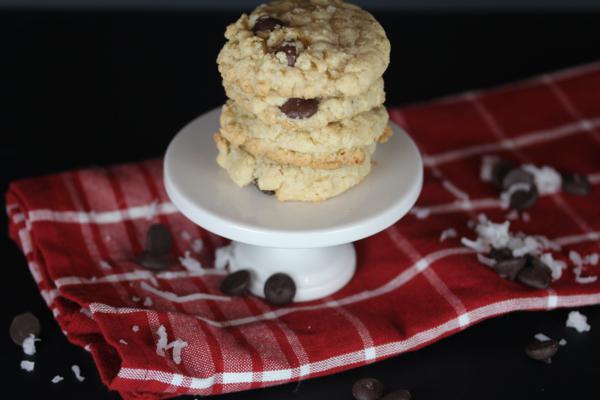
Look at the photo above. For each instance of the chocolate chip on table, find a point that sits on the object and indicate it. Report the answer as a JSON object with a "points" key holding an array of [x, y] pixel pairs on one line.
{"points": [[521, 199], [367, 389], [542, 351], [236, 283], [158, 239], [400, 394], [300, 108], [536, 275], [499, 171], [510, 268], [290, 52], [576, 184], [158, 248], [266, 23], [516, 175], [280, 289], [22, 326]]}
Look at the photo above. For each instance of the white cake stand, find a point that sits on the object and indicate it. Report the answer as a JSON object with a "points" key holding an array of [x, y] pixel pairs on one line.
{"points": [[311, 242]]}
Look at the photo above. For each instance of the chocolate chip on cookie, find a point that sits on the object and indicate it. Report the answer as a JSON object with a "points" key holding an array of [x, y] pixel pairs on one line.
{"points": [[266, 23], [300, 108], [290, 51]]}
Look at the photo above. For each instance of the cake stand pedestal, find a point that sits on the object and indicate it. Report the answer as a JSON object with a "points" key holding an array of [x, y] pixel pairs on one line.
{"points": [[311, 242]]}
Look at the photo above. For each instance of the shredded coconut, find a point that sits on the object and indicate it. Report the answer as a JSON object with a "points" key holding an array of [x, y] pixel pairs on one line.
{"points": [[447, 234], [27, 365], [223, 256], [135, 328], [123, 341], [556, 266], [162, 344], [562, 342], [135, 299], [86, 312], [88, 348], [575, 258], [57, 379], [185, 235], [541, 337], [148, 302], [197, 246], [580, 263], [77, 372], [525, 216], [578, 321], [547, 179], [190, 263], [104, 264], [29, 344], [487, 166]]}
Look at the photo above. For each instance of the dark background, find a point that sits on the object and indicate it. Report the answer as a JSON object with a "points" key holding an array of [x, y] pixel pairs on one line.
{"points": [[101, 87]]}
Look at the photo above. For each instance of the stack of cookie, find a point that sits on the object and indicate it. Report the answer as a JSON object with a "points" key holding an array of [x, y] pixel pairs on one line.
{"points": [[305, 87]]}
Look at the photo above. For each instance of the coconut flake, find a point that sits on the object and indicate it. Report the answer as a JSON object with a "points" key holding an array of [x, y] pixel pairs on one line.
{"points": [[487, 167], [541, 337], [123, 341], [490, 262], [447, 234], [547, 179], [29, 344], [578, 321], [185, 235], [575, 258], [161, 343], [190, 263], [525, 216], [556, 266], [512, 215], [135, 299], [57, 379], [478, 245], [135, 328], [27, 365], [422, 213], [197, 246], [562, 342], [148, 302], [177, 345], [77, 372]]}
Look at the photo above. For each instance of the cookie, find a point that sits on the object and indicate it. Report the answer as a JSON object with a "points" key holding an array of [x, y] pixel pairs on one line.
{"points": [[304, 49], [277, 110], [361, 130], [288, 183]]}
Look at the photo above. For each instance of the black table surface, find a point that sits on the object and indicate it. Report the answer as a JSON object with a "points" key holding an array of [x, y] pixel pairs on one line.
{"points": [[92, 88]]}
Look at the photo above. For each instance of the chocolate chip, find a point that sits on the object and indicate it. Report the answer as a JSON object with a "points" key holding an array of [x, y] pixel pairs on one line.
{"points": [[542, 351], [300, 108], [236, 284], [156, 262], [158, 240], [367, 389], [516, 175], [501, 254], [400, 394], [521, 199], [576, 184], [499, 171], [510, 268], [536, 275], [22, 326], [279, 289], [266, 23], [290, 51]]}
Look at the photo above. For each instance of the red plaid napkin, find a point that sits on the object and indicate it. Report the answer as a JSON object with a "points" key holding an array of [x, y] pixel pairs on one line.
{"points": [[80, 231]]}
